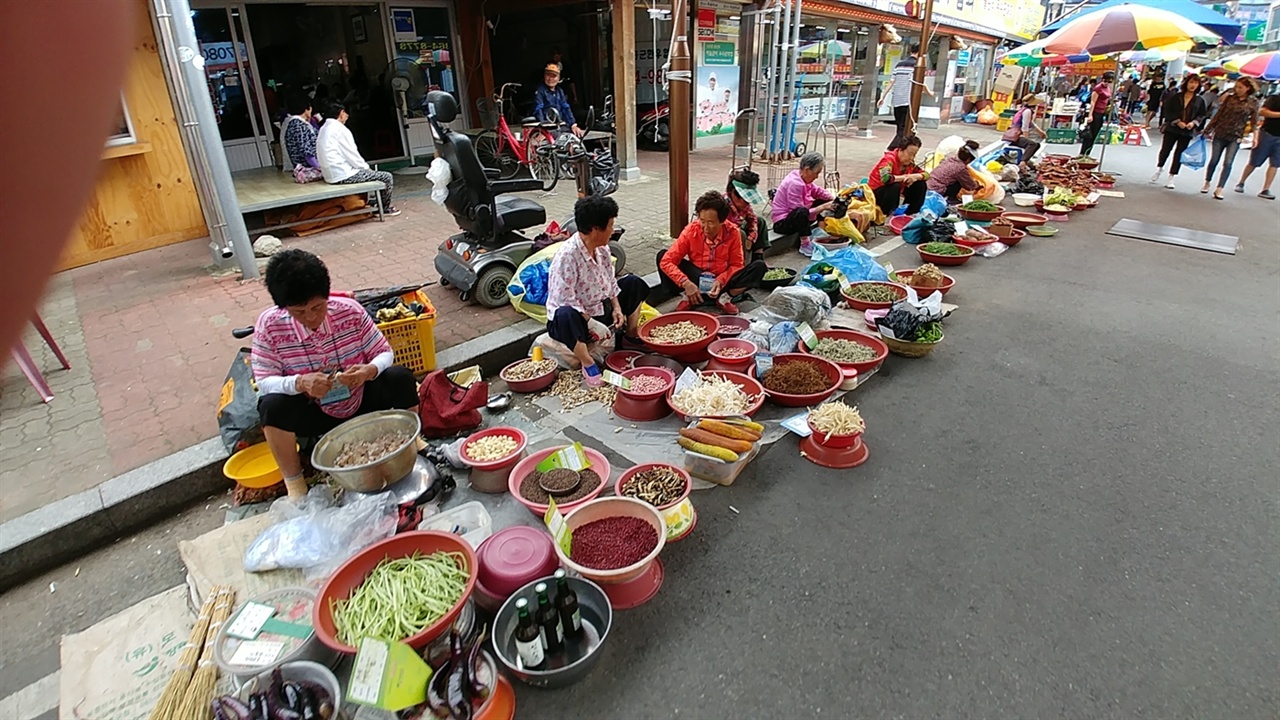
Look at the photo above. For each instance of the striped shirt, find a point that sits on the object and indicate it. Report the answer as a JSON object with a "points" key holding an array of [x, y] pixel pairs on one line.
{"points": [[904, 75], [283, 347]]}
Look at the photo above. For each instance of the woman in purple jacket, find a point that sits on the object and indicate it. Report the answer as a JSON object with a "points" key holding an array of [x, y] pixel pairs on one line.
{"points": [[952, 176]]}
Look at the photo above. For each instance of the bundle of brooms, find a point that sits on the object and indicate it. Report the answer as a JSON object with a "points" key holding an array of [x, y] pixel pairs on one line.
{"points": [[189, 692]]}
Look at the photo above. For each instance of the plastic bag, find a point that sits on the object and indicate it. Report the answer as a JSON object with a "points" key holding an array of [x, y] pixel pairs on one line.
{"points": [[440, 175], [534, 281], [316, 537], [797, 303], [946, 148], [918, 230], [854, 262], [1194, 156], [934, 203], [238, 422], [784, 337]]}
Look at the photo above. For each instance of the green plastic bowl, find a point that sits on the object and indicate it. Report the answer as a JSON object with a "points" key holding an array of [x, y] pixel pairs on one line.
{"points": [[1042, 230]]}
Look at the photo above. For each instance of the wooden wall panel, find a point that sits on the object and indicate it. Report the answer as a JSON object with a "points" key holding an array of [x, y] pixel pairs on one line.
{"points": [[143, 200]]}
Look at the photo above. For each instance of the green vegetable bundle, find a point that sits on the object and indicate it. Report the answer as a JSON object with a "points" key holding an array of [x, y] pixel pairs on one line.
{"points": [[980, 206], [401, 597], [942, 248]]}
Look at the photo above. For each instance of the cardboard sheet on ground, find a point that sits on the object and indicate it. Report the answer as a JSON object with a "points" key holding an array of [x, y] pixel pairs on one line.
{"points": [[117, 669], [217, 558]]}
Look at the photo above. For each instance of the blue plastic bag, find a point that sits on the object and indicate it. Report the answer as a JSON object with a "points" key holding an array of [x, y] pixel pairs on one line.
{"points": [[856, 264], [784, 337], [934, 203], [534, 280], [917, 231], [1196, 154]]}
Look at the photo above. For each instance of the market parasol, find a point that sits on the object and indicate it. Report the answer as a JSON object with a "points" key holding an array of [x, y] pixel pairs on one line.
{"points": [[829, 48], [1126, 27], [1165, 53], [1215, 21], [1263, 65], [1217, 69], [1033, 54]]}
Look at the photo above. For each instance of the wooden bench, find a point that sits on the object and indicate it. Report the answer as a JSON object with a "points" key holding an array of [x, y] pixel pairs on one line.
{"points": [[268, 189]]}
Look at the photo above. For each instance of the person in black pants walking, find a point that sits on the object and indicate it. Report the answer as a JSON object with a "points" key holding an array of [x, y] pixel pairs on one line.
{"points": [[899, 89], [1100, 102], [1183, 114]]}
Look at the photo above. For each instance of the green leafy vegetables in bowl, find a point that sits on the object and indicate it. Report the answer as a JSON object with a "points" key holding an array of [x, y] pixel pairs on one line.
{"points": [[872, 292], [401, 597], [942, 248], [980, 206], [778, 274], [844, 351]]}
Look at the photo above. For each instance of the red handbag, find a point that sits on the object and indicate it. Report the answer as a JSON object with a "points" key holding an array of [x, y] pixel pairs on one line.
{"points": [[447, 408]]}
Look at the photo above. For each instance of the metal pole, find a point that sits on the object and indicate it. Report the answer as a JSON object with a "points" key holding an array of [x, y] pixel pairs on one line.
{"points": [[917, 84], [768, 110], [177, 15], [678, 93], [792, 90], [780, 78]]}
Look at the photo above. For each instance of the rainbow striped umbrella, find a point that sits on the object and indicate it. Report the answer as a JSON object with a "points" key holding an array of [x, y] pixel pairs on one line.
{"points": [[1263, 65], [1164, 53], [1126, 27], [1033, 54], [1217, 69]]}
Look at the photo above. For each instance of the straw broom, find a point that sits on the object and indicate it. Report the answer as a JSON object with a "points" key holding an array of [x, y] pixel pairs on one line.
{"points": [[196, 704], [176, 688]]}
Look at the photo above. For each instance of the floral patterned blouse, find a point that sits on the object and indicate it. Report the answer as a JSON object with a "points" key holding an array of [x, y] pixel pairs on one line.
{"points": [[1233, 116], [580, 279]]}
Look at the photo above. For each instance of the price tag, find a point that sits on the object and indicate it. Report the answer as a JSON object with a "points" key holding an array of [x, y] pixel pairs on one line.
{"points": [[388, 675], [256, 653], [572, 458], [560, 531], [966, 199], [764, 363], [888, 267], [845, 285], [687, 378], [798, 424], [807, 335], [617, 380], [248, 622], [962, 227], [1092, 197]]}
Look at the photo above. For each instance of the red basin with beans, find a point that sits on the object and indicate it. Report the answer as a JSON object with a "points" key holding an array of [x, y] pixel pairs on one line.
{"points": [[620, 538]]}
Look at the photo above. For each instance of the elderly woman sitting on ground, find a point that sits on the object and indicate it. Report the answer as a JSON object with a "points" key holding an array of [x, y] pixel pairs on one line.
{"points": [[318, 360], [581, 286], [797, 201], [706, 262]]}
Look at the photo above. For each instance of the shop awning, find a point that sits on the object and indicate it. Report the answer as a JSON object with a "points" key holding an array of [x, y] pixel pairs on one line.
{"points": [[863, 12], [1222, 25]]}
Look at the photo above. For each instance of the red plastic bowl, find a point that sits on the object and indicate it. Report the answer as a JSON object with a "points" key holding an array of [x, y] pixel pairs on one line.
{"points": [[833, 372], [944, 260], [1024, 220], [979, 216], [904, 276], [1015, 237], [599, 464], [971, 243], [835, 441], [749, 385], [658, 372], [898, 222], [512, 558], [731, 325], [532, 385], [351, 574], [505, 461], [716, 348], [875, 343], [632, 472], [688, 351], [620, 360], [857, 304], [1040, 207]]}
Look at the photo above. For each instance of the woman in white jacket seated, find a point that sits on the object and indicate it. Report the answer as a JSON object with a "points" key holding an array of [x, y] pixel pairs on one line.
{"points": [[340, 161]]}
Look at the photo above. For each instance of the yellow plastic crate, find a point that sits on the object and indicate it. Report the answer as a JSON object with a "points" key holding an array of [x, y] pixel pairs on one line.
{"points": [[413, 339]]}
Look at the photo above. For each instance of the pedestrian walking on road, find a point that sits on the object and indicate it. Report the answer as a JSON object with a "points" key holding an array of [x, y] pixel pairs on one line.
{"points": [[901, 82], [1155, 94], [1183, 114], [1099, 102], [1266, 147], [1238, 112]]}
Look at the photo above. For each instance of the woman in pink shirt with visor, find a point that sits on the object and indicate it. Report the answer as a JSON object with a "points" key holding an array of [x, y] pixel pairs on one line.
{"points": [[797, 201]]}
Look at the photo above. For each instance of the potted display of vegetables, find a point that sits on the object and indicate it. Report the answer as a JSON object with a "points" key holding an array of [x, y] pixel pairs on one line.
{"points": [[943, 253], [980, 211]]}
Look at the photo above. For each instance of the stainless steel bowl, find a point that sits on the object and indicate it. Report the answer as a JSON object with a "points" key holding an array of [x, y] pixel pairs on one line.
{"points": [[579, 658], [375, 475]]}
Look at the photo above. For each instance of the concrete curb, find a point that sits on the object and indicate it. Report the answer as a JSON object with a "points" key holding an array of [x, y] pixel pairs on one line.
{"points": [[71, 527]]}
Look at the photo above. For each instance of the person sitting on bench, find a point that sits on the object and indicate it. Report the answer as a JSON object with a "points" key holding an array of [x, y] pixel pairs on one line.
{"points": [[897, 177], [797, 201], [341, 162], [706, 263]]}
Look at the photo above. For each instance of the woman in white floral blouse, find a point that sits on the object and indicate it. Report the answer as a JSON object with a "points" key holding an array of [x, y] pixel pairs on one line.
{"points": [[582, 286]]}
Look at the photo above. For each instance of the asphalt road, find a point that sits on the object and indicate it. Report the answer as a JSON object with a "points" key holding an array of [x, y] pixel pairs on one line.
{"points": [[1070, 509]]}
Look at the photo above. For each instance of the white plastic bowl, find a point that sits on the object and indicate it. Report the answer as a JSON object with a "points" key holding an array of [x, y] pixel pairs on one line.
{"points": [[1025, 199]]}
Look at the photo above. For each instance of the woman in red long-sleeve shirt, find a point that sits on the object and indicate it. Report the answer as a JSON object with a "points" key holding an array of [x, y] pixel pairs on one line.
{"points": [[706, 262], [897, 177]]}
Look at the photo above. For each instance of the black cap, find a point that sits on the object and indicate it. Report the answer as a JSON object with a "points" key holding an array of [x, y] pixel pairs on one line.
{"points": [[1108, 75]]}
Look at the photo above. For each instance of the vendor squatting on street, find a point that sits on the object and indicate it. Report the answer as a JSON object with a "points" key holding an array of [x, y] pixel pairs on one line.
{"points": [[706, 262], [581, 286], [318, 360]]}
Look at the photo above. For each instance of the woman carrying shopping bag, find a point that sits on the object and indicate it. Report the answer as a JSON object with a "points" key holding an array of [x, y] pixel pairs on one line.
{"points": [[1183, 114]]}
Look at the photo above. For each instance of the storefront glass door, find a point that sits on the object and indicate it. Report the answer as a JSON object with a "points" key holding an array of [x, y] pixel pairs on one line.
{"points": [[238, 102], [424, 61]]}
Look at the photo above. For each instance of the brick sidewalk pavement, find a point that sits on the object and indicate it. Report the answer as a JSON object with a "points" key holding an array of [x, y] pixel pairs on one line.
{"points": [[148, 335]]}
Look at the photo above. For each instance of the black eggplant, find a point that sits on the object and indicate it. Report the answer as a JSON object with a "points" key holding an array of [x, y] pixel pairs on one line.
{"points": [[229, 707]]}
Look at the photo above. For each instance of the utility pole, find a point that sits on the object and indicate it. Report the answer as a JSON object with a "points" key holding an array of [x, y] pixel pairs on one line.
{"points": [[679, 79], [917, 84]]}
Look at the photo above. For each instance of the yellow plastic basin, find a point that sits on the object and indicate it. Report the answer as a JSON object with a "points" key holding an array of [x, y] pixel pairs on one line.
{"points": [[253, 467]]}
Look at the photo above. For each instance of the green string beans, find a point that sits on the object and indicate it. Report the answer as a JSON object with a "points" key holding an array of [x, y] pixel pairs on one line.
{"points": [[401, 597]]}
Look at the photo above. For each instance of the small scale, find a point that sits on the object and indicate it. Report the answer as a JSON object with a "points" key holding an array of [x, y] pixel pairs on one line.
{"points": [[634, 593], [830, 457]]}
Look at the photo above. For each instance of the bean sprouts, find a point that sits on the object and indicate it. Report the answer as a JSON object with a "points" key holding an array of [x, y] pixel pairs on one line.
{"points": [[712, 395], [836, 418]]}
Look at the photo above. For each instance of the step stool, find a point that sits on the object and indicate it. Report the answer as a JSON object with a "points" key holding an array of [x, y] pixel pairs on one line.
{"points": [[1135, 135]]}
